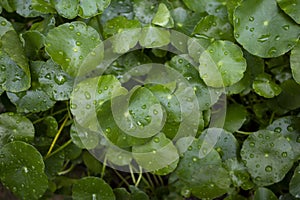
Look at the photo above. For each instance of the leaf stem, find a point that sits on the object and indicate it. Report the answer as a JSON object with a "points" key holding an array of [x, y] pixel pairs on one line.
{"points": [[66, 171], [103, 167], [244, 133], [59, 149], [56, 136], [132, 174], [121, 177], [140, 177]]}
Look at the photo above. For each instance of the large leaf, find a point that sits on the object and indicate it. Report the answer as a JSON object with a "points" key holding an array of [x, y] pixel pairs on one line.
{"points": [[222, 64], [70, 51], [264, 30], [264, 86], [92, 188], [268, 156], [22, 170], [291, 7], [15, 127]]}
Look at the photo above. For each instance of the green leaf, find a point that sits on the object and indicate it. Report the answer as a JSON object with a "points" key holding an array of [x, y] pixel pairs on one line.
{"points": [[144, 11], [54, 164], [185, 20], [290, 7], [22, 170], [264, 30], [70, 51], [118, 157], [222, 64], [34, 41], [15, 127], [85, 9], [124, 8], [45, 25], [5, 26], [294, 62], [122, 194], [294, 186], [93, 165], [264, 193], [240, 177], [125, 40], [203, 176], [163, 17], [268, 156], [50, 126], [157, 154], [137, 194], [55, 82], [92, 188], [83, 137], [214, 27], [222, 141], [31, 101], [236, 115], [152, 37], [289, 127], [195, 5], [15, 75], [264, 86], [289, 98], [117, 24]]}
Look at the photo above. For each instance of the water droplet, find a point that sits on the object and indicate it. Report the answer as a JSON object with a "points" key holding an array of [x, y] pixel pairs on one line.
{"points": [[211, 51], [88, 106], [214, 24], [61, 53], [48, 76], [268, 168], [219, 149], [286, 27], [71, 27], [251, 29], [87, 95], [263, 38], [237, 35], [277, 38], [195, 159], [190, 148], [144, 106], [260, 135], [25, 169], [284, 154], [251, 19], [266, 23], [67, 59], [180, 60], [277, 129], [154, 151], [252, 144], [78, 43], [155, 112], [73, 106], [156, 139], [272, 50], [78, 33], [60, 79], [189, 99], [251, 155], [266, 155], [3, 23], [290, 128], [257, 166], [75, 49], [225, 53]]}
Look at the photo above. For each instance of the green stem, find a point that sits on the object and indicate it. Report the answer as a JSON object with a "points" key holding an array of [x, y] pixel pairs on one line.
{"points": [[56, 137], [244, 133], [150, 181], [66, 171], [132, 174], [121, 177], [59, 149], [140, 177], [103, 167]]}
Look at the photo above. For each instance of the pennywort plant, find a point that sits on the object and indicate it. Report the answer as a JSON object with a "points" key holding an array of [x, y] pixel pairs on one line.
{"points": [[158, 99]]}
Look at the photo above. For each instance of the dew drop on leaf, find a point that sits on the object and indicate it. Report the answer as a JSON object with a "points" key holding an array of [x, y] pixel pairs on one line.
{"points": [[268, 168]]}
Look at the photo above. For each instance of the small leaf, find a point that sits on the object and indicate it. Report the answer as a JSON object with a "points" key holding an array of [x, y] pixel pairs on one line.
{"points": [[34, 41], [163, 17], [264, 86], [117, 24], [264, 193], [294, 186], [294, 62], [70, 51], [93, 165], [92, 188], [289, 98], [152, 37], [235, 117], [222, 64], [268, 156], [5, 26], [290, 7], [144, 11], [22, 170], [15, 127], [264, 30]]}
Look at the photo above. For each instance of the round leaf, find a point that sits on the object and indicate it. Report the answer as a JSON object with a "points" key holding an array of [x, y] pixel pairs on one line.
{"points": [[235, 117], [268, 156], [264, 86], [222, 64], [15, 127], [70, 51], [264, 30], [163, 17], [22, 170], [92, 188], [152, 37], [264, 193]]}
